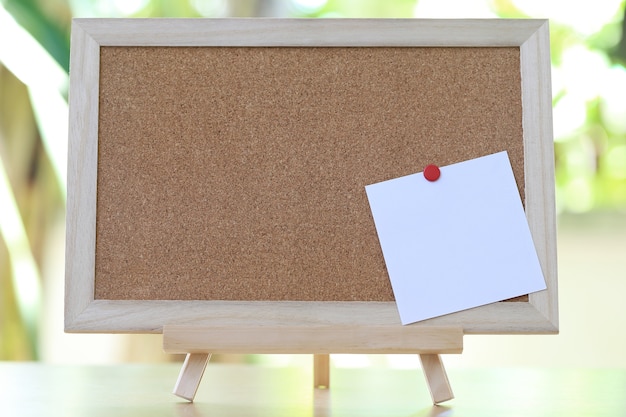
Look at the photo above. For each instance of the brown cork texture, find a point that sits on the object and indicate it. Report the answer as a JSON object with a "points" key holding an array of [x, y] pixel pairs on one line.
{"points": [[239, 173]]}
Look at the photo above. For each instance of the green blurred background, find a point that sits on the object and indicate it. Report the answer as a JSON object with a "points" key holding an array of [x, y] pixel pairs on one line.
{"points": [[589, 100]]}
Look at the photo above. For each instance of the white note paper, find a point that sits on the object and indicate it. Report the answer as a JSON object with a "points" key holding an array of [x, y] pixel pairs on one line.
{"points": [[456, 243]]}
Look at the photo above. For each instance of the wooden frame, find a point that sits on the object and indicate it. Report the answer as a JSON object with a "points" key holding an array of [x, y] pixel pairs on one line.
{"points": [[85, 314]]}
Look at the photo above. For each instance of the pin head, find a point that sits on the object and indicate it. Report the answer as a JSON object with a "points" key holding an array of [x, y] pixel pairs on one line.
{"points": [[432, 172]]}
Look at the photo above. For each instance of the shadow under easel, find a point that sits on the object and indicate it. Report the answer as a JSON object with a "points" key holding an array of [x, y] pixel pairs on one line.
{"points": [[435, 411], [321, 408]]}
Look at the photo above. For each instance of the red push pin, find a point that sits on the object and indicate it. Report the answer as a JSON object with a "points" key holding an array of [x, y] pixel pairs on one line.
{"points": [[432, 172]]}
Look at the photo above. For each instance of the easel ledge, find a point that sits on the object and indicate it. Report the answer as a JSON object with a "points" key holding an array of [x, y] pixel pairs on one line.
{"points": [[199, 342]]}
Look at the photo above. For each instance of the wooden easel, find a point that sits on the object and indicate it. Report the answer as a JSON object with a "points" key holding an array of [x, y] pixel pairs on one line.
{"points": [[199, 342]]}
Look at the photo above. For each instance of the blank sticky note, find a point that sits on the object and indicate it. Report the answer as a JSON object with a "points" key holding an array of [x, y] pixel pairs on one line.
{"points": [[456, 243]]}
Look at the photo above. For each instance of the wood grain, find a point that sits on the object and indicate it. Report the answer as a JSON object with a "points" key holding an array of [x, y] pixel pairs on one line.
{"points": [[82, 174], [190, 375], [539, 163], [84, 314], [436, 378], [321, 371], [312, 339]]}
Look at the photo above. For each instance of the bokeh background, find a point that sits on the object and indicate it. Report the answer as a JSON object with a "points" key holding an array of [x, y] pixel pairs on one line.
{"points": [[588, 52]]}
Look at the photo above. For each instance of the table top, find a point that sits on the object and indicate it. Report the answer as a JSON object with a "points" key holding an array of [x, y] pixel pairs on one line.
{"points": [[31, 389]]}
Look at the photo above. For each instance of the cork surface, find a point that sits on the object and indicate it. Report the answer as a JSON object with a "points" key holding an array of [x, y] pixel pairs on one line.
{"points": [[239, 173]]}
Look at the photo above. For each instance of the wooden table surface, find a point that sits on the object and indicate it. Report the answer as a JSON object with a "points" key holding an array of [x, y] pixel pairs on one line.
{"points": [[31, 389]]}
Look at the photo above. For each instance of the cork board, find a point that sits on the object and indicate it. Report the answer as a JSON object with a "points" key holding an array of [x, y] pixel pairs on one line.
{"points": [[216, 168], [239, 173]]}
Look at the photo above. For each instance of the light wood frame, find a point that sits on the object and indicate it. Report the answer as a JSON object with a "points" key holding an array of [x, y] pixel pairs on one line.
{"points": [[85, 314]]}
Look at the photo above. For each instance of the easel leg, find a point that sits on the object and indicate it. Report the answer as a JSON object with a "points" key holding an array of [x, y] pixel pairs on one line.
{"points": [[321, 371], [190, 375], [436, 378]]}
